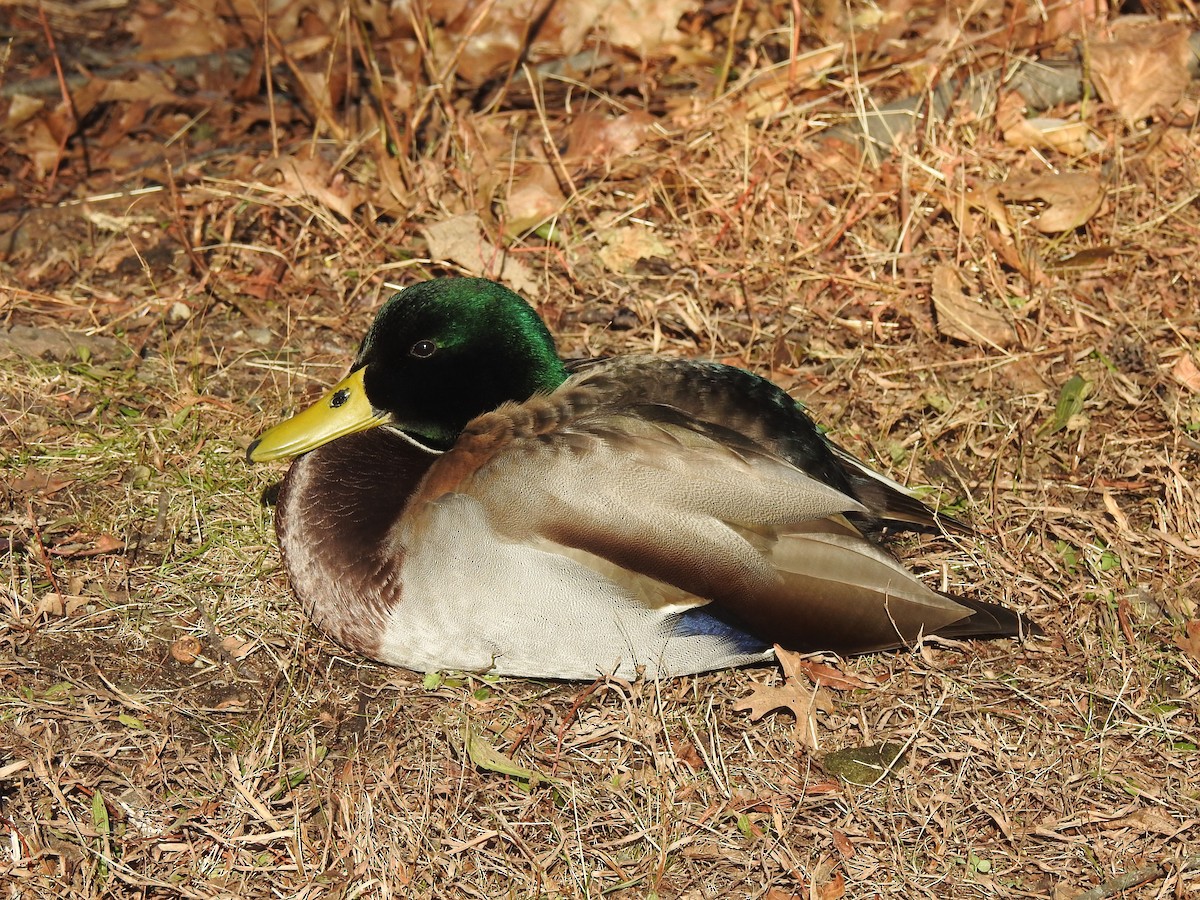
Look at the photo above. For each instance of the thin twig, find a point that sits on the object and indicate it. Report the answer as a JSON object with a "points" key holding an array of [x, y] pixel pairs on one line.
{"points": [[68, 102], [1120, 883], [45, 557]]}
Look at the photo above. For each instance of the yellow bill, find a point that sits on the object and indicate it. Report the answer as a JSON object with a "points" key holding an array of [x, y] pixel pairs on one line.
{"points": [[344, 409]]}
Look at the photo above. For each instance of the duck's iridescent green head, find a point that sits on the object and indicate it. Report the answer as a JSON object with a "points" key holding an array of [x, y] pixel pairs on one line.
{"points": [[439, 354]]}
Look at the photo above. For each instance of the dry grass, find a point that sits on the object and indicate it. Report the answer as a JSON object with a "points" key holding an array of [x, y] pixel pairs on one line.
{"points": [[171, 725]]}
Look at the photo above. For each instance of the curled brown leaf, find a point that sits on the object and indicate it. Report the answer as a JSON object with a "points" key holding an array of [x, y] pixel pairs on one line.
{"points": [[963, 318], [1145, 68], [1070, 199]]}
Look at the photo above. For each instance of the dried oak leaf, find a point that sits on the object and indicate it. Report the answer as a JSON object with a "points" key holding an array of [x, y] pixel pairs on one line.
{"points": [[534, 196], [236, 647], [148, 87], [462, 240], [1071, 199], [298, 177], [188, 29], [1189, 643], [31, 481], [625, 245], [686, 752], [1187, 373], [844, 845], [58, 605], [644, 28], [1145, 820], [834, 888], [770, 92], [391, 196], [797, 694], [1146, 67], [37, 141], [963, 318], [487, 39], [532, 201], [1069, 137], [595, 140], [21, 109]]}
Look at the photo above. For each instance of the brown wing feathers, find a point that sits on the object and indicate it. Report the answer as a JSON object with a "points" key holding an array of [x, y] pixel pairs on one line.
{"points": [[761, 411], [721, 511], [692, 504]]}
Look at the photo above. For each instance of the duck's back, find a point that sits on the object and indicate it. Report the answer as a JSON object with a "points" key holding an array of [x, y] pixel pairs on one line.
{"points": [[760, 410]]}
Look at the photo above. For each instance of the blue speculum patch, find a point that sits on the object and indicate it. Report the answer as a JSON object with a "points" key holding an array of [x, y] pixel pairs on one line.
{"points": [[699, 621]]}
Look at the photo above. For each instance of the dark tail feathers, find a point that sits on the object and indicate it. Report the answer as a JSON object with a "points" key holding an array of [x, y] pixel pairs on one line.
{"points": [[987, 620]]}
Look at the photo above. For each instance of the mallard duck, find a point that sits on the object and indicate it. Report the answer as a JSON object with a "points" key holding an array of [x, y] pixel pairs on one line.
{"points": [[466, 500]]}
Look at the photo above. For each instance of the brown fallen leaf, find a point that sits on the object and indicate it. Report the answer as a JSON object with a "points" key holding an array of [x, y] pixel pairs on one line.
{"points": [[1071, 199], [232, 703], [534, 197], [1144, 68], [1186, 373], [595, 140], [770, 92], [31, 481], [21, 109], [487, 39], [987, 200], [462, 240], [1023, 259], [1147, 820], [797, 694], [625, 245], [1189, 642], [834, 888], [643, 28], [236, 647], [827, 676], [1055, 21], [151, 87], [313, 177], [37, 342], [187, 29], [1114, 510], [391, 196], [964, 319], [686, 752], [1123, 619], [1089, 258], [38, 141], [843, 844], [58, 605], [1071, 138], [530, 203], [80, 544]]}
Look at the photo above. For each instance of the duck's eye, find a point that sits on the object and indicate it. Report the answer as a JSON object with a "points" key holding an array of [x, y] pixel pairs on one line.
{"points": [[340, 398], [423, 349]]}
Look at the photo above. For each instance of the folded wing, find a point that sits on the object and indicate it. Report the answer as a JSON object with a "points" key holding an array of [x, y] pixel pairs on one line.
{"points": [[711, 512]]}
